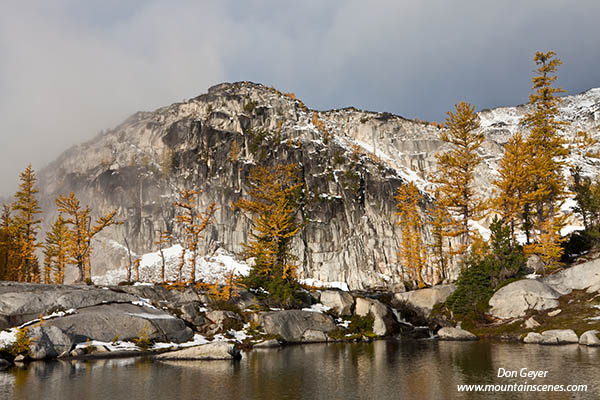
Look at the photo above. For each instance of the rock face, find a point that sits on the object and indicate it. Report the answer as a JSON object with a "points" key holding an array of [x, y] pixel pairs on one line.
{"points": [[516, 298], [215, 138], [296, 326], [590, 338], [455, 334], [20, 303], [48, 342], [209, 351], [122, 321], [384, 322], [340, 302], [426, 299]]}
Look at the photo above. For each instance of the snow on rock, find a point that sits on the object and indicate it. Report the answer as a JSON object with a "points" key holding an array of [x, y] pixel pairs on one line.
{"points": [[326, 285], [209, 268], [319, 307]]}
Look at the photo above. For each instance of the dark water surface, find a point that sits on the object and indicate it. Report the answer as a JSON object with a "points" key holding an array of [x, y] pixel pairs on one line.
{"points": [[379, 370]]}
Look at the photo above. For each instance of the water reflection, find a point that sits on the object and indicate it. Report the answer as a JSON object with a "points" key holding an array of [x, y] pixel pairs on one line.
{"points": [[379, 370]]}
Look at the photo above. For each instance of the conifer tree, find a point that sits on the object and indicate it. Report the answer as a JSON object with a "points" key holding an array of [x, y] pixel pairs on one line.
{"points": [[456, 169], [27, 225], [192, 223], [512, 200], [81, 232], [412, 250], [8, 265], [55, 251], [163, 238], [274, 197], [440, 223], [547, 151]]}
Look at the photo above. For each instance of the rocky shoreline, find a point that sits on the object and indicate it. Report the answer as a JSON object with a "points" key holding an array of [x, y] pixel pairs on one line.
{"points": [[79, 322], [73, 321]]}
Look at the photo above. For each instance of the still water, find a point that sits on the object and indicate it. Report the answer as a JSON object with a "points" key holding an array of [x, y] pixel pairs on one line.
{"points": [[379, 370]]}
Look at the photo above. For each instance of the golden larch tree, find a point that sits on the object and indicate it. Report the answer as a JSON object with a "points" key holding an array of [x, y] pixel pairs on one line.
{"points": [[440, 221], [273, 201], [456, 168], [27, 225], [512, 200], [192, 223], [81, 231], [55, 251], [547, 149], [412, 250], [8, 258]]}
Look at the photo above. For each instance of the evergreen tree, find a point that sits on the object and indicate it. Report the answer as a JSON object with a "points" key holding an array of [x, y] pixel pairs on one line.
{"points": [[27, 225], [456, 169], [81, 232], [193, 223], [273, 201], [412, 250]]}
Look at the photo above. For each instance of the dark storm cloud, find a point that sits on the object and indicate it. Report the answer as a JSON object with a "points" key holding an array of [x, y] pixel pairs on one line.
{"points": [[71, 68]]}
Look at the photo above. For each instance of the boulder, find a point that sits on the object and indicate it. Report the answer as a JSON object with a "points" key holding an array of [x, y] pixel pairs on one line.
{"points": [[340, 302], [455, 334], [23, 302], [209, 351], [516, 298], [48, 342], [124, 321], [534, 265], [559, 336], [222, 321], [4, 364], [296, 326], [533, 338], [267, 344], [579, 277], [384, 322], [590, 338], [189, 312], [426, 299], [531, 323]]}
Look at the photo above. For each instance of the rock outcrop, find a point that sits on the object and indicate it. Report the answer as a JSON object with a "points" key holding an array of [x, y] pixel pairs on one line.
{"points": [[122, 321], [20, 302], [552, 337], [578, 277], [209, 351], [48, 342], [384, 323], [455, 334], [340, 302], [516, 298], [425, 299], [296, 326], [589, 338]]}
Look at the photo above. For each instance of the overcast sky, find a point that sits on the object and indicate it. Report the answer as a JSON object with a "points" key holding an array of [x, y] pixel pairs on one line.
{"points": [[70, 68]]}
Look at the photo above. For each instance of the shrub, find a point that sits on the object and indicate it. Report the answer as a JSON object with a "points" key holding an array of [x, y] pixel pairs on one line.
{"points": [[143, 341], [482, 274], [21, 344], [358, 328]]}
